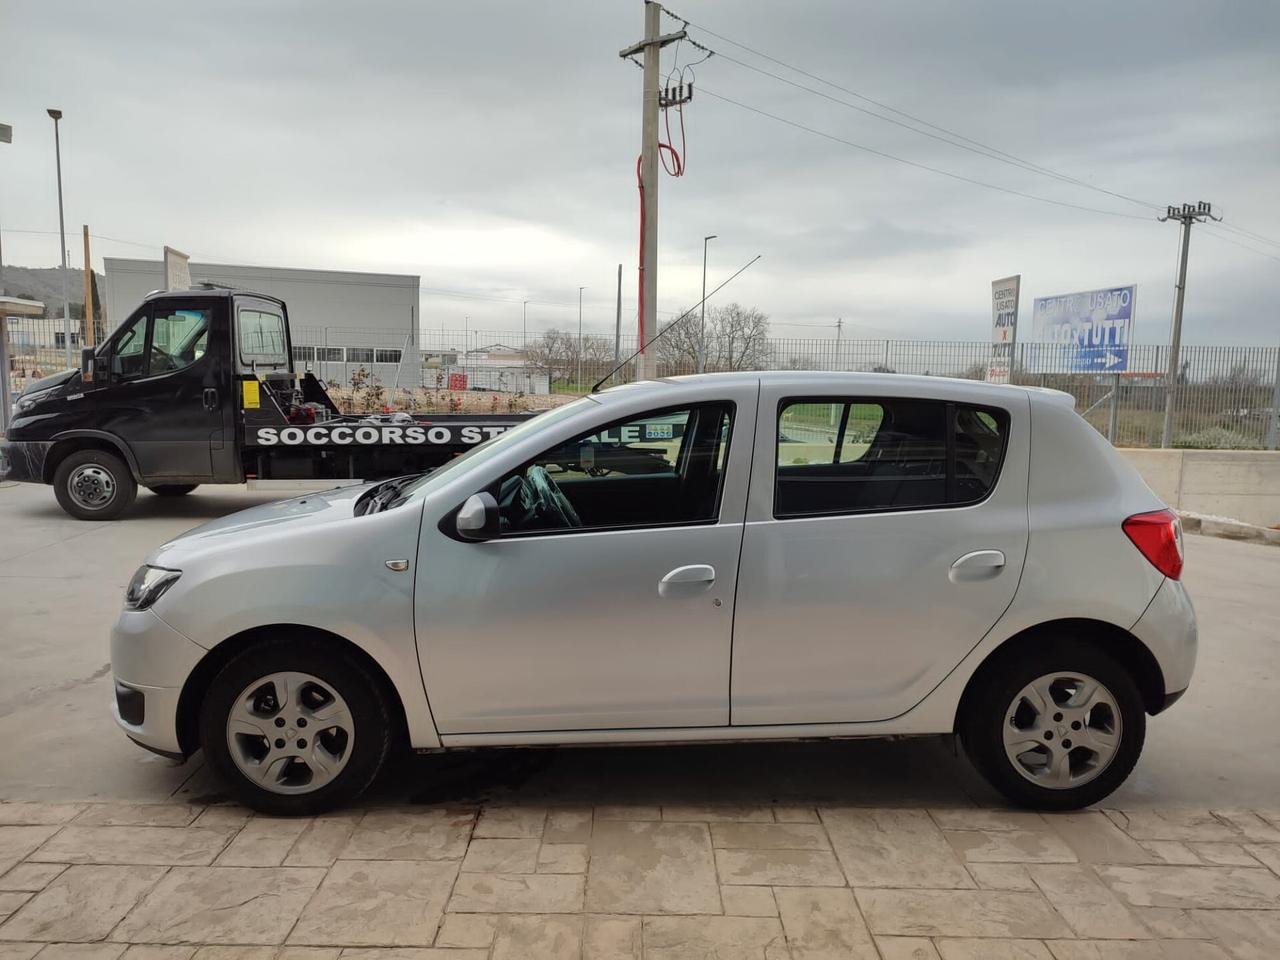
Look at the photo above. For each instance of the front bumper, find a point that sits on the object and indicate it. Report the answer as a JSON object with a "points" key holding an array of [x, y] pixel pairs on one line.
{"points": [[1168, 628], [151, 661], [23, 460]]}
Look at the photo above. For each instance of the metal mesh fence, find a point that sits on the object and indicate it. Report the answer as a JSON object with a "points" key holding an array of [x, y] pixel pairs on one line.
{"points": [[1224, 396]]}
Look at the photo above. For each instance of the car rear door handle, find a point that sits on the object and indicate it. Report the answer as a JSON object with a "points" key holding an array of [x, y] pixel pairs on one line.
{"points": [[978, 565], [685, 581]]}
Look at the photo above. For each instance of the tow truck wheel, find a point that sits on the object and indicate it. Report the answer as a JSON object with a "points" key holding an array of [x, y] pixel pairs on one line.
{"points": [[295, 727], [94, 485], [173, 489]]}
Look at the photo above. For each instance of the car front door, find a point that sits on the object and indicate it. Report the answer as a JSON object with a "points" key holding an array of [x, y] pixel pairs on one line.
{"points": [[162, 396], [606, 602], [886, 534]]}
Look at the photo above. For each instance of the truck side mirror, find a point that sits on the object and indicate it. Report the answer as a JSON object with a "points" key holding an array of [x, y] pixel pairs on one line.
{"points": [[477, 518], [87, 371]]}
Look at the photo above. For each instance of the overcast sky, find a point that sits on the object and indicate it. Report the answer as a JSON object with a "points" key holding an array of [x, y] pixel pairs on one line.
{"points": [[490, 148]]}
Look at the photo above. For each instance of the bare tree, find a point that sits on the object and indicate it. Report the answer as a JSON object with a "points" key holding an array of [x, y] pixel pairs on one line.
{"points": [[737, 339], [555, 353]]}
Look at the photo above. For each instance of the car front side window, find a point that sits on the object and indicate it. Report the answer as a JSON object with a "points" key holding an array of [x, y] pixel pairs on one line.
{"points": [[661, 468]]}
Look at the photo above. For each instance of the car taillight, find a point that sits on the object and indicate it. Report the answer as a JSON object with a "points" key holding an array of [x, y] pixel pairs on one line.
{"points": [[1159, 536]]}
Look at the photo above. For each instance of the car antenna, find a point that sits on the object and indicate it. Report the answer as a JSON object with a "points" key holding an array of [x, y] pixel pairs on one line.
{"points": [[596, 386]]}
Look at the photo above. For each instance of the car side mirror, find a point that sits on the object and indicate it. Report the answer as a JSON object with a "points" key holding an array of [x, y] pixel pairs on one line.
{"points": [[87, 368], [477, 518]]}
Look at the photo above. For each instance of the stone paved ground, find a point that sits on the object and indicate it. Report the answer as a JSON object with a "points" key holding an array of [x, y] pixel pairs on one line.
{"points": [[175, 881]]}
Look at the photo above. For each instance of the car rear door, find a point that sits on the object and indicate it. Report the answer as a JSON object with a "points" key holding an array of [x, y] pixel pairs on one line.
{"points": [[886, 532]]}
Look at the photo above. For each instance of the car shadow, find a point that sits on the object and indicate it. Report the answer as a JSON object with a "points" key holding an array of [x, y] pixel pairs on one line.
{"points": [[909, 772]]}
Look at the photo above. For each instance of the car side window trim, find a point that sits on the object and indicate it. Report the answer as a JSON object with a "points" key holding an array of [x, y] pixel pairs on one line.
{"points": [[952, 409], [681, 465]]}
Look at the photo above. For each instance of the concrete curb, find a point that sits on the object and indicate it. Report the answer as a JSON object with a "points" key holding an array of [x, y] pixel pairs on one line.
{"points": [[1229, 529]]}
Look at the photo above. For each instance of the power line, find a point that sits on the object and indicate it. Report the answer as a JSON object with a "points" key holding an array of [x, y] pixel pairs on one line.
{"points": [[923, 166], [994, 153], [969, 143], [1237, 243]]}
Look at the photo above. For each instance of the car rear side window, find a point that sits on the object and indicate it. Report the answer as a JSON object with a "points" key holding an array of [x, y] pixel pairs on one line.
{"points": [[855, 455]]}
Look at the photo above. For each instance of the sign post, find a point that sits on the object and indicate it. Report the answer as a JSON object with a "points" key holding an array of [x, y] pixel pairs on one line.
{"points": [[1004, 328], [1089, 332], [177, 270]]}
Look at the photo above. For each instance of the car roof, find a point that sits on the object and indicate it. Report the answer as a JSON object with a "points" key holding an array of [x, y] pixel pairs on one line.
{"points": [[845, 381]]}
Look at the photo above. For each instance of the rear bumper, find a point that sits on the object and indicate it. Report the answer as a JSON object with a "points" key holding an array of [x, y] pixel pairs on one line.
{"points": [[23, 460], [1168, 629], [151, 662]]}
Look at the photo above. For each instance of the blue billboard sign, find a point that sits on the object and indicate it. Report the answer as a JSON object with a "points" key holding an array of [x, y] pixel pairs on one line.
{"points": [[1091, 330]]}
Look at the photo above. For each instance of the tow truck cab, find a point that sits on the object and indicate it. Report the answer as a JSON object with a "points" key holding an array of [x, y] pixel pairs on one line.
{"points": [[198, 386]]}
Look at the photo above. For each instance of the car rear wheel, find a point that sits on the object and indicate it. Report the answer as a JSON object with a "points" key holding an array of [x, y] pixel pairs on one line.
{"points": [[294, 727], [1056, 726], [173, 489], [94, 485]]}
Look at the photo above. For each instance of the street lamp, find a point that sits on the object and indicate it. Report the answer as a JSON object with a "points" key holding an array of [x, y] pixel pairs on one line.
{"points": [[580, 289], [702, 336], [56, 115], [6, 136]]}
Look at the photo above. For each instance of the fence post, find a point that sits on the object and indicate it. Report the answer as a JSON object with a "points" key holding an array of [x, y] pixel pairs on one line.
{"points": [[1113, 419], [1275, 407]]}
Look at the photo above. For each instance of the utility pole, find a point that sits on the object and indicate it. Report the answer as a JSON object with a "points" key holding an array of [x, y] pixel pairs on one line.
{"points": [[651, 47], [56, 115], [1187, 214], [87, 336], [1273, 434], [839, 329], [580, 289], [617, 324], [702, 335], [524, 320]]}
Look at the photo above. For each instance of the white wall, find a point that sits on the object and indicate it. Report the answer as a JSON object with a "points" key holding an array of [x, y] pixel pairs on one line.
{"points": [[1240, 484]]}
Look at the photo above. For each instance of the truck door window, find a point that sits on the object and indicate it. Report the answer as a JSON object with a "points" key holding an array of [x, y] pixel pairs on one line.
{"points": [[262, 338], [178, 339], [129, 354], [662, 468]]}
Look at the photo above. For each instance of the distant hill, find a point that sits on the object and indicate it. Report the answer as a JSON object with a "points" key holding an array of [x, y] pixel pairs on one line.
{"points": [[45, 284]]}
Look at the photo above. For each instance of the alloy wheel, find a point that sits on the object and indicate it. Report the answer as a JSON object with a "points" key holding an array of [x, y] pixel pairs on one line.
{"points": [[1062, 730], [290, 732]]}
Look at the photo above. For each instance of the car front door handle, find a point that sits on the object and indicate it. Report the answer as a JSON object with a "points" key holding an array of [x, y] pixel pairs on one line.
{"points": [[978, 565], [210, 398], [687, 580]]}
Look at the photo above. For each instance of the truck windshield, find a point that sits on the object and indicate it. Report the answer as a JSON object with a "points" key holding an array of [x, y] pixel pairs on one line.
{"points": [[262, 338], [482, 453]]}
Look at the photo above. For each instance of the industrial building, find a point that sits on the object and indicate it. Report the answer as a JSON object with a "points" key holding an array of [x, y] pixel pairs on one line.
{"points": [[340, 321]]}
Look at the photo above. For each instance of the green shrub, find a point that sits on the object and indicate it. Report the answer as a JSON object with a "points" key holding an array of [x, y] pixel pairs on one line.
{"points": [[1216, 438]]}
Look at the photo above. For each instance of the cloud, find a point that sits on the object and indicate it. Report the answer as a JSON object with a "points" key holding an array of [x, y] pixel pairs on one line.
{"points": [[490, 148]]}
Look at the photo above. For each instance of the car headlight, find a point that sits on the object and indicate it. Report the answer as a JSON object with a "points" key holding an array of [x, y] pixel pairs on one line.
{"points": [[30, 400], [148, 585]]}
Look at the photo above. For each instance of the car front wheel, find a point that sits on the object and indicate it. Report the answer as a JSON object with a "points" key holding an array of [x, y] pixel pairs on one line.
{"points": [[1056, 726], [295, 727]]}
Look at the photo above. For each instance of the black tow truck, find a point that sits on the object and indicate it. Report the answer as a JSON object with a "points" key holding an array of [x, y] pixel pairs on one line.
{"points": [[198, 386]]}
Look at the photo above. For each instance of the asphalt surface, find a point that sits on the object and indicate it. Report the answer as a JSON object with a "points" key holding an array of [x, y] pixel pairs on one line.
{"points": [[61, 583]]}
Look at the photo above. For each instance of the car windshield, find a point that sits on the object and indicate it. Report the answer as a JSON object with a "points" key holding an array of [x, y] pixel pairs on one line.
{"points": [[481, 453]]}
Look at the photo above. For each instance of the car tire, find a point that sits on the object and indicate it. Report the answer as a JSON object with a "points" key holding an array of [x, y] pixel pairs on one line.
{"points": [[327, 683], [173, 489], [1022, 743], [94, 485]]}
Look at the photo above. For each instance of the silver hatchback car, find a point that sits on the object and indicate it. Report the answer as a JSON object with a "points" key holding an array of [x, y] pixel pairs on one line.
{"points": [[722, 557]]}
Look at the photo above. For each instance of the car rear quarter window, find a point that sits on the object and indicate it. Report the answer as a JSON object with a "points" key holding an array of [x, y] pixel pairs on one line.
{"points": [[868, 455]]}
